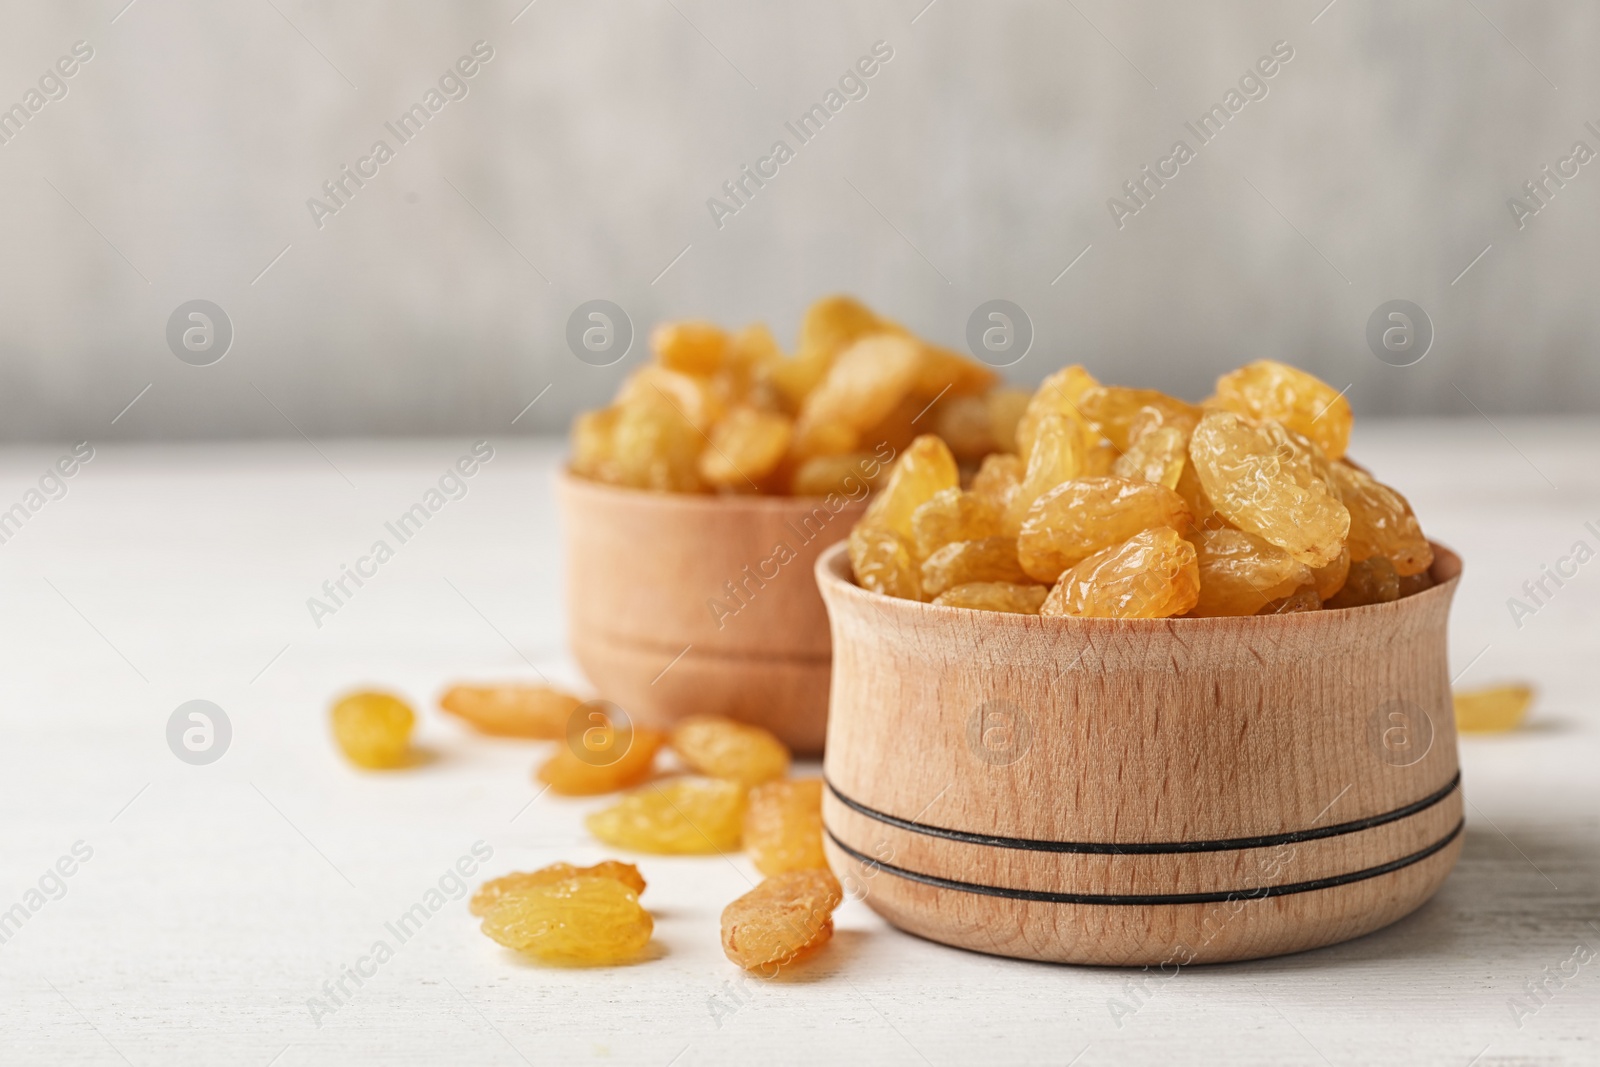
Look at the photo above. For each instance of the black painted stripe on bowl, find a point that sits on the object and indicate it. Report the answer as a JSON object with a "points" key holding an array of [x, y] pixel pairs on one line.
{"points": [[1150, 848], [1116, 899]]}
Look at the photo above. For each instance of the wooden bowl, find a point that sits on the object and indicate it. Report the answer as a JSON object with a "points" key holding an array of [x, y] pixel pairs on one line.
{"points": [[698, 605], [1140, 792]]}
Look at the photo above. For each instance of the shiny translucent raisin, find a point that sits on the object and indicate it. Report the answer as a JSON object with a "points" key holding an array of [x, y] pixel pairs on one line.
{"points": [[723, 748], [882, 562], [998, 479], [1240, 573], [374, 729], [922, 470], [952, 515], [1111, 410], [1269, 482], [1152, 575], [1501, 707], [783, 826], [616, 759], [1079, 518], [1158, 455], [991, 559], [1302, 402], [1415, 583], [512, 709], [783, 920], [1012, 598], [1330, 577], [1381, 522], [1059, 394], [580, 920], [686, 816], [493, 891], [1057, 457]]}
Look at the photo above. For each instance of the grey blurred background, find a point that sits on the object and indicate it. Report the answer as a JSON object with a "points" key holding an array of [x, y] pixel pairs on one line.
{"points": [[179, 162]]}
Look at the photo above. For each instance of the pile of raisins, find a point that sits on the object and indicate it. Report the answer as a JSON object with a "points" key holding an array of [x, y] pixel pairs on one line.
{"points": [[1111, 502], [719, 412]]}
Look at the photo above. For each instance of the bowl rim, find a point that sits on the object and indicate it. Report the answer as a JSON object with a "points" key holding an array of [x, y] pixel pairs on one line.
{"points": [[834, 578], [764, 503]]}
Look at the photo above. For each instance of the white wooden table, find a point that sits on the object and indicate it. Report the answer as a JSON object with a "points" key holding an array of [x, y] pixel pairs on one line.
{"points": [[218, 899]]}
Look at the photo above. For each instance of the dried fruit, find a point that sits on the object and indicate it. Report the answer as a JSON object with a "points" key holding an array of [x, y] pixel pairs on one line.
{"points": [[991, 559], [862, 387], [922, 470], [1501, 707], [722, 748], [998, 479], [882, 562], [1303, 599], [1330, 578], [850, 474], [1156, 456], [1013, 598], [513, 709], [1152, 575], [1415, 583], [783, 826], [1371, 581], [686, 816], [580, 920], [952, 515], [1381, 522], [1267, 481], [1059, 394], [692, 347], [612, 758], [654, 446], [1110, 410], [1302, 402], [746, 445], [1056, 457], [374, 729], [1079, 518], [783, 920], [1240, 573], [493, 891]]}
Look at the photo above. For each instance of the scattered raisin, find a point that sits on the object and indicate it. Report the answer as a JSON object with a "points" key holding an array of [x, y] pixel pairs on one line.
{"points": [[579, 920], [722, 748], [687, 816], [783, 826], [374, 729], [783, 920]]}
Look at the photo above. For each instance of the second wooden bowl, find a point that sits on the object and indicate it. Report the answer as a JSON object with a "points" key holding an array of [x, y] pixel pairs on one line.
{"points": [[1140, 792], [698, 605]]}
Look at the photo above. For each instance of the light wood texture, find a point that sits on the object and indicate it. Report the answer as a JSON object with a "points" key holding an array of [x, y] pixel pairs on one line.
{"points": [[693, 605], [1142, 760]]}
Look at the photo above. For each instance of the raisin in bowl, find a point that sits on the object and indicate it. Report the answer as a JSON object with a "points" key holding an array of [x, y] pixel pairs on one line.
{"points": [[1140, 791]]}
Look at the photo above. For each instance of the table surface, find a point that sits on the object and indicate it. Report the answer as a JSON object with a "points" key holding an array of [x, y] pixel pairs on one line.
{"points": [[216, 901]]}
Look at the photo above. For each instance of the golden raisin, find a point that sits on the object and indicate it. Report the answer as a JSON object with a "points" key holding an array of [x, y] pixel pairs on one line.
{"points": [[693, 347], [850, 474], [1152, 575], [1329, 579], [1381, 522], [1267, 481], [580, 920], [686, 816], [493, 891], [1240, 573], [1111, 410], [952, 515], [1081, 517], [949, 373], [619, 758], [786, 918], [722, 748], [746, 445], [1009, 597], [882, 562], [1302, 402], [1059, 394], [374, 729], [1501, 707], [862, 387], [1415, 583], [593, 447], [1158, 455], [962, 422], [1006, 408], [923, 469], [513, 709], [998, 479], [1303, 599], [991, 559], [1057, 457], [783, 826], [1371, 581], [654, 446]]}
